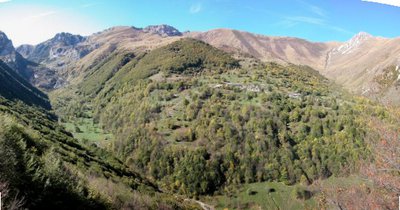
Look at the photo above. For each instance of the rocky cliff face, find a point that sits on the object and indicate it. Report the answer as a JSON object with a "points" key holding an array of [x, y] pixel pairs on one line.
{"points": [[35, 73], [58, 55], [6, 46], [162, 30], [57, 52], [25, 50], [355, 42], [366, 65], [68, 55], [12, 58], [120, 39]]}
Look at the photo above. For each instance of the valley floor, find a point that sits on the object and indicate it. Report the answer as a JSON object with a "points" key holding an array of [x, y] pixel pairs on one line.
{"points": [[276, 195]]}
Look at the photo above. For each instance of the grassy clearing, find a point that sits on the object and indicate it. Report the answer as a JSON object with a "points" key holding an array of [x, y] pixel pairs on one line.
{"points": [[85, 130], [266, 195], [276, 195]]}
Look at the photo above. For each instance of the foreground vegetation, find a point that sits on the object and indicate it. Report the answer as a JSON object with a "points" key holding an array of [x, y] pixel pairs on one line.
{"points": [[136, 127], [13, 86], [199, 126], [43, 167]]}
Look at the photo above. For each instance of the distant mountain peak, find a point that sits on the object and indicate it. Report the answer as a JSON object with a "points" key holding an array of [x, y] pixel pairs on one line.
{"points": [[162, 30], [351, 45], [2, 34], [25, 50], [362, 36], [68, 39], [6, 46]]}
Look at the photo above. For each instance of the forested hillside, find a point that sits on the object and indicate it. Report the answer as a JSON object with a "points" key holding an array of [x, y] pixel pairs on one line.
{"points": [[13, 86], [199, 123], [44, 167], [256, 106], [151, 128]]}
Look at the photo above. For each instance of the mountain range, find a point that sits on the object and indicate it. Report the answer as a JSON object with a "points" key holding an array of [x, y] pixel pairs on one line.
{"points": [[155, 118], [365, 64]]}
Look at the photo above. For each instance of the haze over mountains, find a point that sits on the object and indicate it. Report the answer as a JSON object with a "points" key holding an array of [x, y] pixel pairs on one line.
{"points": [[356, 64]]}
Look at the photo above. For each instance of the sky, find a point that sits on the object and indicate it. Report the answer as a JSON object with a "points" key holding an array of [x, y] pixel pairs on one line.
{"points": [[34, 21]]}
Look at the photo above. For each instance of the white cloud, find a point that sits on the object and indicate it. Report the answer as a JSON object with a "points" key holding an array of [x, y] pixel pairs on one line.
{"points": [[4, 1], [196, 8], [309, 20], [90, 5], [41, 15], [313, 8], [318, 10], [395, 3]]}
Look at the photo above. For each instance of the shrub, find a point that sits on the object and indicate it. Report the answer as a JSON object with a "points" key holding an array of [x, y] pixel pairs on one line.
{"points": [[251, 192], [302, 193]]}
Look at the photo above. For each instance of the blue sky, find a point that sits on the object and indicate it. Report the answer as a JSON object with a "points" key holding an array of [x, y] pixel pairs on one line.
{"points": [[33, 21]]}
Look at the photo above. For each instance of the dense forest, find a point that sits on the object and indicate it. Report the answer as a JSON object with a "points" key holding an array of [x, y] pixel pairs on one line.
{"points": [[156, 129], [44, 167], [198, 126]]}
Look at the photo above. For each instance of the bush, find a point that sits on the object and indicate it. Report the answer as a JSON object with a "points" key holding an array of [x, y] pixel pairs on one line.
{"points": [[251, 192], [77, 129], [302, 193]]}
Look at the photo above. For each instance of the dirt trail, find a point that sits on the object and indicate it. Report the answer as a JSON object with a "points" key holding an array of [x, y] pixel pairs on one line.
{"points": [[203, 205]]}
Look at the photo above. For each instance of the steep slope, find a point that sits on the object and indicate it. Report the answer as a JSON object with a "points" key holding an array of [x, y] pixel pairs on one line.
{"points": [[119, 40], [198, 123], [13, 86], [162, 30], [12, 58], [266, 48], [279, 49], [69, 56], [63, 51], [367, 65], [37, 74], [44, 167], [62, 45], [60, 52], [25, 50], [359, 64], [186, 56]]}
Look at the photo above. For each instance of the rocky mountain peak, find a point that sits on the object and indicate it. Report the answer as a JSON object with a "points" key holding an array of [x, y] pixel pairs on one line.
{"points": [[6, 46], [361, 36], [3, 35], [68, 39], [25, 50], [356, 41], [162, 30]]}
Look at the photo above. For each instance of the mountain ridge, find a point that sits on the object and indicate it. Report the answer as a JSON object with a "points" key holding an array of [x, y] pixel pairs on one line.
{"points": [[13, 86], [329, 58], [198, 114], [37, 74]]}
